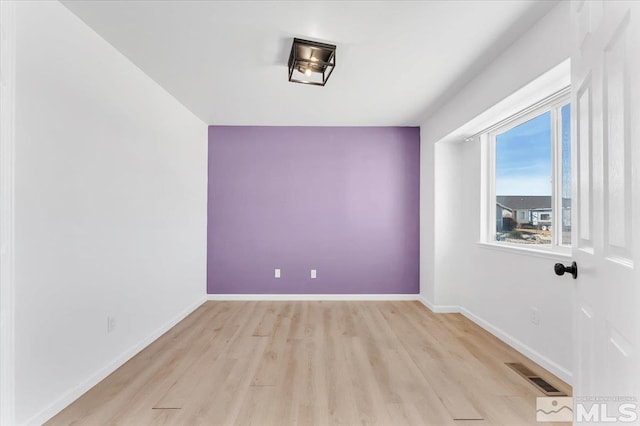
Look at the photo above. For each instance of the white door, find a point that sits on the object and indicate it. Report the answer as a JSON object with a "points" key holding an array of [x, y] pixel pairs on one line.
{"points": [[606, 238]]}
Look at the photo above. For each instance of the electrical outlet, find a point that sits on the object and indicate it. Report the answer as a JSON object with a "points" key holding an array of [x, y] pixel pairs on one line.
{"points": [[314, 274], [111, 324], [534, 316], [276, 273]]}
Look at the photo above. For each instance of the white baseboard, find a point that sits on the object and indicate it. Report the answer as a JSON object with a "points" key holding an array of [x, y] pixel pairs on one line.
{"points": [[73, 394], [319, 297], [440, 309], [527, 351]]}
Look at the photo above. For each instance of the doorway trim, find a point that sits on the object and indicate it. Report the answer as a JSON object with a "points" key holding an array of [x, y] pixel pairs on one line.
{"points": [[7, 209]]}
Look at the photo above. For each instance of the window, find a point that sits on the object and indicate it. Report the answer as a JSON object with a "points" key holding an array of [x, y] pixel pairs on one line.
{"points": [[529, 176]]}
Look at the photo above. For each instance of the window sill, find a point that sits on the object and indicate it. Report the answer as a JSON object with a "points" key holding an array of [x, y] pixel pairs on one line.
{"points": [[526, 251]]}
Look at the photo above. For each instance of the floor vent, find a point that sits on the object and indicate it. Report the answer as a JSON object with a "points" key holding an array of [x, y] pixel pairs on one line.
{"points": [[537, 381]]}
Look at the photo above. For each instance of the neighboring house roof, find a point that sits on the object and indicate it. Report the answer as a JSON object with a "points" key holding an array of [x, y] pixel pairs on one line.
{"points": [[504, 207], [524, 202]]}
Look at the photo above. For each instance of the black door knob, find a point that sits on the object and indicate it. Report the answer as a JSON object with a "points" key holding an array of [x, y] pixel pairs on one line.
{"points": [[560, 269]]}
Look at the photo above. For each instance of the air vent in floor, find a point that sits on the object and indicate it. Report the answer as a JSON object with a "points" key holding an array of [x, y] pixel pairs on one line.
{"points": [[537, 381]]}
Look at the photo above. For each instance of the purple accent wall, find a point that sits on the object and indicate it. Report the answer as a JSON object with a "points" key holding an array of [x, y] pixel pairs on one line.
{"points": [[342, 200]]}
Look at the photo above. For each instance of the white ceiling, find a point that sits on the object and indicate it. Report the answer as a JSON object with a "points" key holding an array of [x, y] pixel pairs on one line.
{"points": [[226, 61]]}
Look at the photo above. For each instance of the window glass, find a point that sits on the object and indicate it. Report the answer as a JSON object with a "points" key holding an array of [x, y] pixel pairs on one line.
{"points": [[566, 174], [523, 182]]}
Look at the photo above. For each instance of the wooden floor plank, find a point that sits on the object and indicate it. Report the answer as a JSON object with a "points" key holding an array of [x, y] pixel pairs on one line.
{"points": [[130, 381], [324, 363]]}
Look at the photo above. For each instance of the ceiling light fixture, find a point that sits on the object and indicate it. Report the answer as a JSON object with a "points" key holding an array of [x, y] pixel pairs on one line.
{"points": [[311, 62]]}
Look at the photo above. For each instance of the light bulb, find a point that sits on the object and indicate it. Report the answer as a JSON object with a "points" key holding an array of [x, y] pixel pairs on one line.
{"points": [[307, 72]]}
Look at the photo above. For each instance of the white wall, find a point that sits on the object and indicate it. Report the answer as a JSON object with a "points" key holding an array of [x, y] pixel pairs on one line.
{"points": [[427, 220], [494, 288], [544, 46], [110, 209], [449, 219]]}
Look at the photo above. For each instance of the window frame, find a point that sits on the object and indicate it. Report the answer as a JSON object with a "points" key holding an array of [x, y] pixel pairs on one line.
{"points": [[553, 104]]}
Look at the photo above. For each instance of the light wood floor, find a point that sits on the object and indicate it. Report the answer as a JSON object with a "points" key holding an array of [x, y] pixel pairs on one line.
{"points": [[304, 363]]}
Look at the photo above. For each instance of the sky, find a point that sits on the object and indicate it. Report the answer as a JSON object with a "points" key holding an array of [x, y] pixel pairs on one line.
{"points": [[523, 157]]}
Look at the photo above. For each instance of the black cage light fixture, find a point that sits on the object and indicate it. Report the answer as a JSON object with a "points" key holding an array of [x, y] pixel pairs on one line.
{"points": [[311, 62]]}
